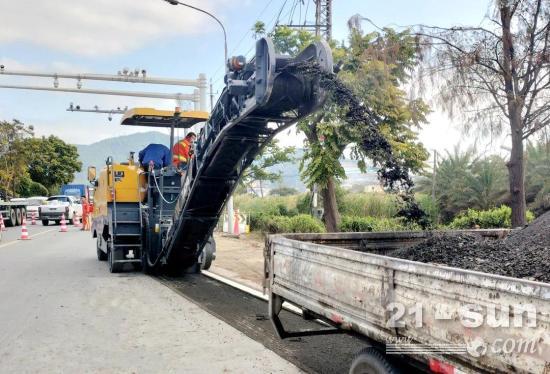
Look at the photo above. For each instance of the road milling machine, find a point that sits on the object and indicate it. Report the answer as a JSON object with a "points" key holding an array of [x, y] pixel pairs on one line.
{"points": [[159, 220]]}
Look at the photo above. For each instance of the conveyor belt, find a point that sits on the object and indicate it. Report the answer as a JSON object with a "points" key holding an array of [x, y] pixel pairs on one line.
{"points": [[260, 100]]}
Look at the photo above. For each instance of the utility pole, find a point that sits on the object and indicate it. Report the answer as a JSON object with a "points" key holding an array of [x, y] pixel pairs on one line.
{"points": [[323, 18], [434, 173], [323, 22]]}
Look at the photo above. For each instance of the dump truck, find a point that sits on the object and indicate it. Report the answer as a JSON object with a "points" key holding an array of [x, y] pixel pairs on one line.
{"points": [[437, 318], [161, 221]]}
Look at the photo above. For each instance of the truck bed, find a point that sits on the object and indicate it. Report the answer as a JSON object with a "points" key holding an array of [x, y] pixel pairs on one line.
{"points": [[345, 279]]}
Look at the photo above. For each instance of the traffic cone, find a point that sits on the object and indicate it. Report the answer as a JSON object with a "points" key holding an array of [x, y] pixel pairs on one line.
{"points": [[236, 223], [76, 220], [63, 224], [2, 226], [33, 219], [24, 232]]}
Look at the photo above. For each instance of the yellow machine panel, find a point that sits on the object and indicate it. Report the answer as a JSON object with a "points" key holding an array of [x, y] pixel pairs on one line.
{"points": [[162, 118], [123, 182]]}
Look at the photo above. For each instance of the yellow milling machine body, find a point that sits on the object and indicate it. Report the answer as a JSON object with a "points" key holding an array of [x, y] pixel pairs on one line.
{"points": [[119, 191], [130, 186]]}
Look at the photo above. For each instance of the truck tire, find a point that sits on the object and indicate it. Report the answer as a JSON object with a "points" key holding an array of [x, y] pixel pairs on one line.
{"points": [[11, 218], [145, 267], [18, 217], [113, 267], [45, 222], [208, 254], [101, 256], [371, 361]]}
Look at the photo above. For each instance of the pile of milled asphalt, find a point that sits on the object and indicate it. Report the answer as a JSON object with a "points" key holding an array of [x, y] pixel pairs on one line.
{"points": [[524, 253]]}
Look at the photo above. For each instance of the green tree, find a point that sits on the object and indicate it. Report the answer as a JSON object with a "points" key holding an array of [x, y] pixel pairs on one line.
{"points": [[284, 191], [537, 178], [466, 181], [496, 75], [27, 188], [51, 161], [13, 155], [486, 183], [259, 172], [374, 66]]}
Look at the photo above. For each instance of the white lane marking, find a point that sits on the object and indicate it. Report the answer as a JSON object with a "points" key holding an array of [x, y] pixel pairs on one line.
{"points": [[30, 236]]}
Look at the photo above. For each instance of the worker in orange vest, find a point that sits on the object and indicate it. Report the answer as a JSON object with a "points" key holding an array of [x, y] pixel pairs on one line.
{"points": [[183, 151], [85, 214]]}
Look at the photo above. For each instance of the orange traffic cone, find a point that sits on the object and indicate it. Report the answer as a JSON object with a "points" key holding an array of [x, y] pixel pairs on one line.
{"points": [[24, 232], [33, 219], [2, 226], [236, 223], [76, 221], [63, 224]]}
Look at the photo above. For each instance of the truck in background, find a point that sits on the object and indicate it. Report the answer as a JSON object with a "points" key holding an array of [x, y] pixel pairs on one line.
{"points": [[78, 191], [13, 211]]}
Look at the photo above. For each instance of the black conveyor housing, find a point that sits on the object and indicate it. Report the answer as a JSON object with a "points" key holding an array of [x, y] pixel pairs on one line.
{"points": [[260, 100]]}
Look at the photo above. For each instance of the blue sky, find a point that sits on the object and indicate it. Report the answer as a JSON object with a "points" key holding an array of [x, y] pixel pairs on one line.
{"points": [[103, 36]]}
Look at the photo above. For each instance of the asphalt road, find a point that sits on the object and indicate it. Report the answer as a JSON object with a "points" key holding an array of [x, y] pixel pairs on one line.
{"points": [[14, 233], [62, 311]]}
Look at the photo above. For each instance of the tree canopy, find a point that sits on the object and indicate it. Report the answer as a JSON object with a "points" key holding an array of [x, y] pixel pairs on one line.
{"points": [[260, 171], [51, 161], [33, 166], [495, 76], [374, 67], [13, 155]]}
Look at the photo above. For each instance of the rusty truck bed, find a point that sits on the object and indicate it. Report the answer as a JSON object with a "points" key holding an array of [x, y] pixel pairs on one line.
{"points": [[345, 279]]}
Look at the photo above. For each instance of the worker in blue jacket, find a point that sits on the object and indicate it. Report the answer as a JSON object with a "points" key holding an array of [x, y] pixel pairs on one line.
{"points": [[158, 154]]}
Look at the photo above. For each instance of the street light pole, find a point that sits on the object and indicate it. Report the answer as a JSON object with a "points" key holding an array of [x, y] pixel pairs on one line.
{"points": [[176, 2]]}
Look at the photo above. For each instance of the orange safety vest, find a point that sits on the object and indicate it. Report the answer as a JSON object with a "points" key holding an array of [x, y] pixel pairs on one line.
{"points": [[180, 152]]}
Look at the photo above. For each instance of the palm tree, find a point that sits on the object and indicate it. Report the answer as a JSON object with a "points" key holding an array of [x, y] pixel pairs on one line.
{"points": [[487, 183]]}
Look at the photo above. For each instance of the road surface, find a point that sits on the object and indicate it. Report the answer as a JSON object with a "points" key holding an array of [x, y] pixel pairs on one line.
{"points": [[62, 311]]}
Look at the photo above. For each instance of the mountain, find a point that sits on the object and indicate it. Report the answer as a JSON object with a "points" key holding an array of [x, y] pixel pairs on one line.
{"points": [[119, 148]]}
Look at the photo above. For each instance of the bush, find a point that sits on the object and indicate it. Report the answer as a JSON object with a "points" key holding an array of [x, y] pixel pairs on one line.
{"points": [[367, 224], [356, 224], [258, 221], [500, 217], [278, 225], [429, 206], [306, 223], [282, 224], [304, 203], [270, 205], [369, 204]]}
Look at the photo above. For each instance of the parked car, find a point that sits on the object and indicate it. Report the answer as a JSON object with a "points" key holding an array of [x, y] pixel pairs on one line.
{"points": [[57, 206], [33, 203]]}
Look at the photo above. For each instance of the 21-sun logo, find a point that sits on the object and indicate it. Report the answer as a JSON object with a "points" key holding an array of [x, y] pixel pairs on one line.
{"points": [[476, 347]]}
